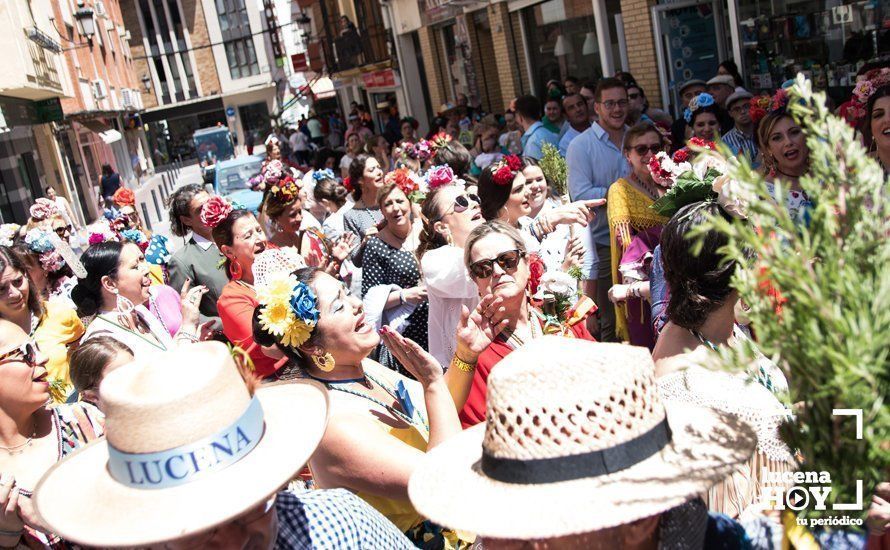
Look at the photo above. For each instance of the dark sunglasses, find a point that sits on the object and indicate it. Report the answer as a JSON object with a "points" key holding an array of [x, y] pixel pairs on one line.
{"points": [[60, 231], [508, 261], [643, 149], [461, 204], [27, 351]]}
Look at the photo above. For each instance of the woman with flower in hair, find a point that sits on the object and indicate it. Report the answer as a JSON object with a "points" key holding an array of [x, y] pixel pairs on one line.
{"points": [[449, 213], [392, 291], [505, 195], [240, 238], [786, 156], [53, 324], [634, 230], [703, 116], [334, 197], [872, 100], [381, 423], [283, 205], [506, 279]]}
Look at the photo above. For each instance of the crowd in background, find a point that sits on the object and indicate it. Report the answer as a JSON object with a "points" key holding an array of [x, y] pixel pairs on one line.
{"points": [[384, 278]]}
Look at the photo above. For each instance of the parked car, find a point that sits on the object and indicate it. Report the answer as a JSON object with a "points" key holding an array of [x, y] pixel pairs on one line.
{"points": [[231, 180], [212, 145]]}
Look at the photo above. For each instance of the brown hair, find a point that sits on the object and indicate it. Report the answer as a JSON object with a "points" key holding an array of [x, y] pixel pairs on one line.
{"points": [[88, 361], [490, 228], [639, 130], [607, 84], [223, 234], [17, 261], [766, 125], [356, 171], [384, 192], [330, 190], [865, 128], [430, 213]]}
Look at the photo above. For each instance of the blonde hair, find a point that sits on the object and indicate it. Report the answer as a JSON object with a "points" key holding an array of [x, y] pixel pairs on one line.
{"points": [[490, 228]]}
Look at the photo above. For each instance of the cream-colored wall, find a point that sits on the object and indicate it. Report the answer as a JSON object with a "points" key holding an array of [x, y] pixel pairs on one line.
{"points": [[226, 82], [28, 71]]}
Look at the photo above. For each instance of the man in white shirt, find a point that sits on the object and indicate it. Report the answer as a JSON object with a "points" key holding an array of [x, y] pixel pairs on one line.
{"points": [[299, 145]]}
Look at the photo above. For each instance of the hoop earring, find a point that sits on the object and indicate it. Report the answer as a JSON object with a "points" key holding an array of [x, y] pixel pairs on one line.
{"points": [[325, 363], [123, 305], [235, 270]]}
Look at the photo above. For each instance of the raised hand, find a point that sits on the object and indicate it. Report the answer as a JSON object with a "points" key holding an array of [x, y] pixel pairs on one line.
{"points": [[418, 362], [477, 329]]}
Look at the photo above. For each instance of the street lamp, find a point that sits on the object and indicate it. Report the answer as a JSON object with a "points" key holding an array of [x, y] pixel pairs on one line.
{"points": [[146, 82], [86, 24]]}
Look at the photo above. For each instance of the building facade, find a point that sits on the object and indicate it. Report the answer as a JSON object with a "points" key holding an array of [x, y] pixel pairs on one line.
{"points": [[203, 63]]}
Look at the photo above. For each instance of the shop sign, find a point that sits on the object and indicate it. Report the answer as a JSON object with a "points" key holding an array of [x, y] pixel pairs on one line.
{"points": [[437, 11], [299, 62], [49, 110], [379, 79]]}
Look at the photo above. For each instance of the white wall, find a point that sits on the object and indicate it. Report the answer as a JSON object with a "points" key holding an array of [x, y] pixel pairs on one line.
{"points": [[227, 84]]}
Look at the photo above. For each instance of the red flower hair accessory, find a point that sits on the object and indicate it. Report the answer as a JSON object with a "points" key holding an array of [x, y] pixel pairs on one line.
{"points": [[440, 140], [215, 211], [401, 177], [505, 170], [347, 183], [764, 105], [699, 142], [124, 197], [873, 81]]}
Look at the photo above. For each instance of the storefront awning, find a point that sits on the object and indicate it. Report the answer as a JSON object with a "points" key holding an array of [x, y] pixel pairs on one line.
{"points": [[95, 125], [110, 136], [323, 88]]}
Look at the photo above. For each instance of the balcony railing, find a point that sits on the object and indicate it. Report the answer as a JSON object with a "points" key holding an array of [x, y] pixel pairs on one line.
{"points": [[353, 49]]}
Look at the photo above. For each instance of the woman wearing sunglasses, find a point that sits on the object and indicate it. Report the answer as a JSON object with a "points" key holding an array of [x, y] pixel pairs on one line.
{"points": [[634, 230], [496, 259], [54, 324], [449, 214], [33, 436]]}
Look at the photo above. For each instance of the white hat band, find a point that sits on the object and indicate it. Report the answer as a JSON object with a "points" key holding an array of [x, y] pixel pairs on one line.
{"points": [[186, 463]]}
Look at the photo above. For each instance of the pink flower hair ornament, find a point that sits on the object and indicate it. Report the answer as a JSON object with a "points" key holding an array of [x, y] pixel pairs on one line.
{"points": [[215, 211]]}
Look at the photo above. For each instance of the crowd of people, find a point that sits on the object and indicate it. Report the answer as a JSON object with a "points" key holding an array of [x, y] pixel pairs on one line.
{"points": [[433, 342]]}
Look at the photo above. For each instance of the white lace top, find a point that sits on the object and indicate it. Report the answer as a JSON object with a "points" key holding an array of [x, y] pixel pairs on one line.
{"points": [[449, 287]]}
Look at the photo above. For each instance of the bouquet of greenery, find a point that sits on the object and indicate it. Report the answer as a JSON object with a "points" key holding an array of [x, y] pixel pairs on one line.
{"points": [[819, 298], [555, 170]]}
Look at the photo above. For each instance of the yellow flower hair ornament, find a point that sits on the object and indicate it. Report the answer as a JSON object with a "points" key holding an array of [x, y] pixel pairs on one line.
{"points": [[287, 309]]}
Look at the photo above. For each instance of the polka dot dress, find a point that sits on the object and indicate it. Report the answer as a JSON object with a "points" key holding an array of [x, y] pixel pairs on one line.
{"points": [[386, 265]]}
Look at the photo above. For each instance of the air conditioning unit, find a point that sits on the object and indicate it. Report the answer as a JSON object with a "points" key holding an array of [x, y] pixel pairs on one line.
{"points": [[127, 98], [100, 91], [100, 9]]}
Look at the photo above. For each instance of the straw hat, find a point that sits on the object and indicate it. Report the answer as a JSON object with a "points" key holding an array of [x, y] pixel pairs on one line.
{"points": [[577, 444], [186, 449]]}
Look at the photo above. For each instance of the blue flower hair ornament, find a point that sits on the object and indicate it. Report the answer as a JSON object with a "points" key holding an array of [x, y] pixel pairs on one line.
{"points": [[325, 174], [703, 99], [38, 241]]}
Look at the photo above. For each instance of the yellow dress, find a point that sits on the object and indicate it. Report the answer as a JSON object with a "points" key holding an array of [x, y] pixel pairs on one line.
{"points": [[58, 327], [629, 213]]}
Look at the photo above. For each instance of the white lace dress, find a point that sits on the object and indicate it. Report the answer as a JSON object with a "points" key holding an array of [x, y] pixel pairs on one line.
{"points": [[449, 287], [746, 396]]}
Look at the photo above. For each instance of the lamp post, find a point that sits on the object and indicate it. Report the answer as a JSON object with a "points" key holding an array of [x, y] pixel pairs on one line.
{"points": [[146, 82], [86, 24]]}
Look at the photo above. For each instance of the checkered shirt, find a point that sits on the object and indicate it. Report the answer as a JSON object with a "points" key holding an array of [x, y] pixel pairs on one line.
{"points": [[333, 518]]}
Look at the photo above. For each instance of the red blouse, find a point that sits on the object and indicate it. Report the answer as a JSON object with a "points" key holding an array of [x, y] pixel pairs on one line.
{"points": [[474, 410], [236, 305]]}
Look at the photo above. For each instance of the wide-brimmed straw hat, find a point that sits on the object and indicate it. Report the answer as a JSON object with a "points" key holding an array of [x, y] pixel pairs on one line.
{"points": [[186, 449], [576, 439]]}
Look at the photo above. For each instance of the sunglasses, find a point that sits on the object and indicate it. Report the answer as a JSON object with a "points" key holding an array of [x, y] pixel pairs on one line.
{"points": [[61, 231], [643, 149], [26, 351], [508, 261], [461, 204]]}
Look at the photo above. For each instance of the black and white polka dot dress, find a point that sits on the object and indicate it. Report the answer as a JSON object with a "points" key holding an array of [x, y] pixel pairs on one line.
{"points": [[387, 265]]}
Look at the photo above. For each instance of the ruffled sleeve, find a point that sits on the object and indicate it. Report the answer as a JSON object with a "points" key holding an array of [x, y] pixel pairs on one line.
{"points": [[445, 274]]}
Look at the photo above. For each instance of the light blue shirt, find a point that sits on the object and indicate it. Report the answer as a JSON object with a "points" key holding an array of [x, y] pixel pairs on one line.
{"points": [[534, 138], [567, 137], [594, 164]]}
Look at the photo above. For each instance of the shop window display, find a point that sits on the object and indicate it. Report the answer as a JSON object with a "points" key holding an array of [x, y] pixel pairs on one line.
{"points": [[827, 44]]}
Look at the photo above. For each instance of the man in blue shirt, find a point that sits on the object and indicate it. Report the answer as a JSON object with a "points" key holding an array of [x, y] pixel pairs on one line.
{"points": [[528, 116], [578, 118], [741, 138], [596, 160]]}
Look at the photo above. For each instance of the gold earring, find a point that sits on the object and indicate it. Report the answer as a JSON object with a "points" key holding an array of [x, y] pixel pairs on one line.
{"points": [[325, 363]]}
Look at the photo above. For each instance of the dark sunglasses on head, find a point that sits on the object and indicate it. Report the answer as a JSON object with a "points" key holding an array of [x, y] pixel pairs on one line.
{"points": [[643, 149], [27, 351], [508, 261]]}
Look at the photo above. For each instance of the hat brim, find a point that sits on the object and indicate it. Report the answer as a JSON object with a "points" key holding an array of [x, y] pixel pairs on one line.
{"points": [[80, 502], [705, 447]]}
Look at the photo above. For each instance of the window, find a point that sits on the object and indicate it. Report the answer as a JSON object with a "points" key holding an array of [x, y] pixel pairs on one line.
{"points": [[235, 27]]}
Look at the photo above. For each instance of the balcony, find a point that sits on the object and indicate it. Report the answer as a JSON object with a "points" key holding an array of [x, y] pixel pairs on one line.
{"points": [[353, 49]]}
